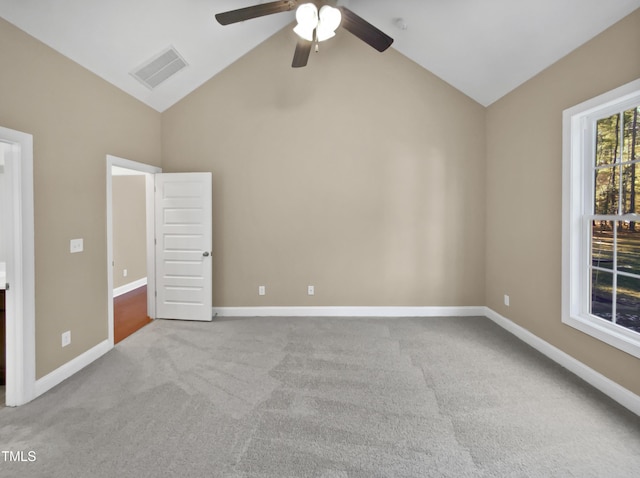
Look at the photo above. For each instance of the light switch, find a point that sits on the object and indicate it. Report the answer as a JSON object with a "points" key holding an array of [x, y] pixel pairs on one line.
{"points": [[76, 245]]}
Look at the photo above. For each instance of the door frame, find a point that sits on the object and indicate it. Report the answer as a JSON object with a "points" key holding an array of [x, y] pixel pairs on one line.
{"points": [[150, 220], [20, 299]]}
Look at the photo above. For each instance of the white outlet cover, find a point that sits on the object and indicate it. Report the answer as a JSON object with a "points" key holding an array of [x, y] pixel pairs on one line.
{"points": [[262, 290], [66, 338], [76, 245]]}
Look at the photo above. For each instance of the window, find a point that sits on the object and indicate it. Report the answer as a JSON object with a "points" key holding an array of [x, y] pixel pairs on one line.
{"points": [[601, 218]]}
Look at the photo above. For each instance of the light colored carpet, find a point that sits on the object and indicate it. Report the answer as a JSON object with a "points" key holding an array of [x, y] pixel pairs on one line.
{"points": [[325, 398]]}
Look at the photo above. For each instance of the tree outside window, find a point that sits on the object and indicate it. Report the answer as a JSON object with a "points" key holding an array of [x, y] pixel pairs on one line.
{"points": [[615, 242]]}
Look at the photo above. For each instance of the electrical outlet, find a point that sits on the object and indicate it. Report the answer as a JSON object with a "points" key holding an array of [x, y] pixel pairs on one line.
{"points": [[76, 245], [262, 290], [506, 300], [66, 338], [124, 272], [311, 290]]}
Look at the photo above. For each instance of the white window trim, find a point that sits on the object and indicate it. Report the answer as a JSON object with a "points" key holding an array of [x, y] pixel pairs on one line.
{"points": [[577, 156]]}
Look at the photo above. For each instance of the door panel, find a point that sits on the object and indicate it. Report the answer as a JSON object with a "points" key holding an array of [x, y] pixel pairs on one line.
{"points": [[183, 246]]}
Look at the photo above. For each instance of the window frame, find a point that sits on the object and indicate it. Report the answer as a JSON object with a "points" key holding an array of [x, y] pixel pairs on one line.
{"points": [[577, 190]]}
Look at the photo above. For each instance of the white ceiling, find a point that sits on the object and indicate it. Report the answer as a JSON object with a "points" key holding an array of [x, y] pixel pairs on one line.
{"points": [[485, 48]]}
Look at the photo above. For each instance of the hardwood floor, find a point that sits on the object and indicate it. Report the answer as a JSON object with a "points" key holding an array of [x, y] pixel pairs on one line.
{"points": [[129, 313]]}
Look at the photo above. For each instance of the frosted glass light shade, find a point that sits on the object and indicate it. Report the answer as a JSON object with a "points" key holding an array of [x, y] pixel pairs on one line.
{"points": [[307, 18], [329, 21]]}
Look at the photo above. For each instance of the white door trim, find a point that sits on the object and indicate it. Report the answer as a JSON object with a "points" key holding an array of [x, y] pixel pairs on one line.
{"points": [[20, 324], [151, 263]]}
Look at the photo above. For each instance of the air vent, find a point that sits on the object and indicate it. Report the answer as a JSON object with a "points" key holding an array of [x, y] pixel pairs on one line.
{"points": [[159, 68]]}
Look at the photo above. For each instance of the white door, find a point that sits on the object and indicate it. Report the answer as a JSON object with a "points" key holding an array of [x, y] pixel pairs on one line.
{"points": [[183, 246]]}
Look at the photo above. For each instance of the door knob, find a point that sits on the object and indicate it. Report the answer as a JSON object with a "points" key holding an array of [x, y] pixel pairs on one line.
{"points": [[205, 254]]}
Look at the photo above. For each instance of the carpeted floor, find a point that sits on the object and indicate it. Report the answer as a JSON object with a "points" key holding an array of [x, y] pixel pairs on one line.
{"points": [[325, 398]]}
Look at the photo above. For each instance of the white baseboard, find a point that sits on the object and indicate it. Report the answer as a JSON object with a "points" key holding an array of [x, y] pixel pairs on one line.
{"points": [[338, 311], [624, 397], [65, 371], [123, 289]]}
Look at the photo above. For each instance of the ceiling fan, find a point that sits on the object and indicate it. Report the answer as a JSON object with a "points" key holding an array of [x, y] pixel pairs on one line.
{"points": [[317, 21]]}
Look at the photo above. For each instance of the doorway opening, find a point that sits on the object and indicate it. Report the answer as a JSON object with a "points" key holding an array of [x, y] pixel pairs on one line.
{"points": [[129, 203], [130, 254], [17, 265], [4, 200]]}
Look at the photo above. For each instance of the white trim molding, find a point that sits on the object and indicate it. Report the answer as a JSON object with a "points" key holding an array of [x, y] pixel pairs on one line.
{"points": [[349, 311], [617, 392], [65, 371], [123, 289]]}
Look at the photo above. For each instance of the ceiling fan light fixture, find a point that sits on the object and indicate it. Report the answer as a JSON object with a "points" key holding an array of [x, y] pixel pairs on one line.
{"points": [[307, 18], [313, 24], [328, 23]]}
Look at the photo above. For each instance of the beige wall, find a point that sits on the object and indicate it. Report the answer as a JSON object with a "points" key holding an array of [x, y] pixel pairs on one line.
{"points": [[362, 174], [76, 119], [129, 229], [524, 193]]}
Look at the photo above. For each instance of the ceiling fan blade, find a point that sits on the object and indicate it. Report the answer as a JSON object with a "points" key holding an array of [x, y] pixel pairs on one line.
{"points": [[255, 11], [301, 55], [364, 30]]}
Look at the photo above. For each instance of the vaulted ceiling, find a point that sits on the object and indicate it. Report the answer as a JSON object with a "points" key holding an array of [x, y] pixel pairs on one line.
{"points": [[484, 48]]}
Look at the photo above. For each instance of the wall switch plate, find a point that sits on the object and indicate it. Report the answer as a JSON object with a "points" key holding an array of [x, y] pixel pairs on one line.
{"points": [[311, 290], [124, 272], [261, 290], [506, 300], [66, 338], [76, 245]]}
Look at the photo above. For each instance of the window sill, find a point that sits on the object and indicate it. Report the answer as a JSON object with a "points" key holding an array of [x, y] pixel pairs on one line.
{"points": [[607, 332]]}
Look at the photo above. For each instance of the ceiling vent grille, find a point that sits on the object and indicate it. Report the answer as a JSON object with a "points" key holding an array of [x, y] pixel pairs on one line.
{"points": [[160, 68]]}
